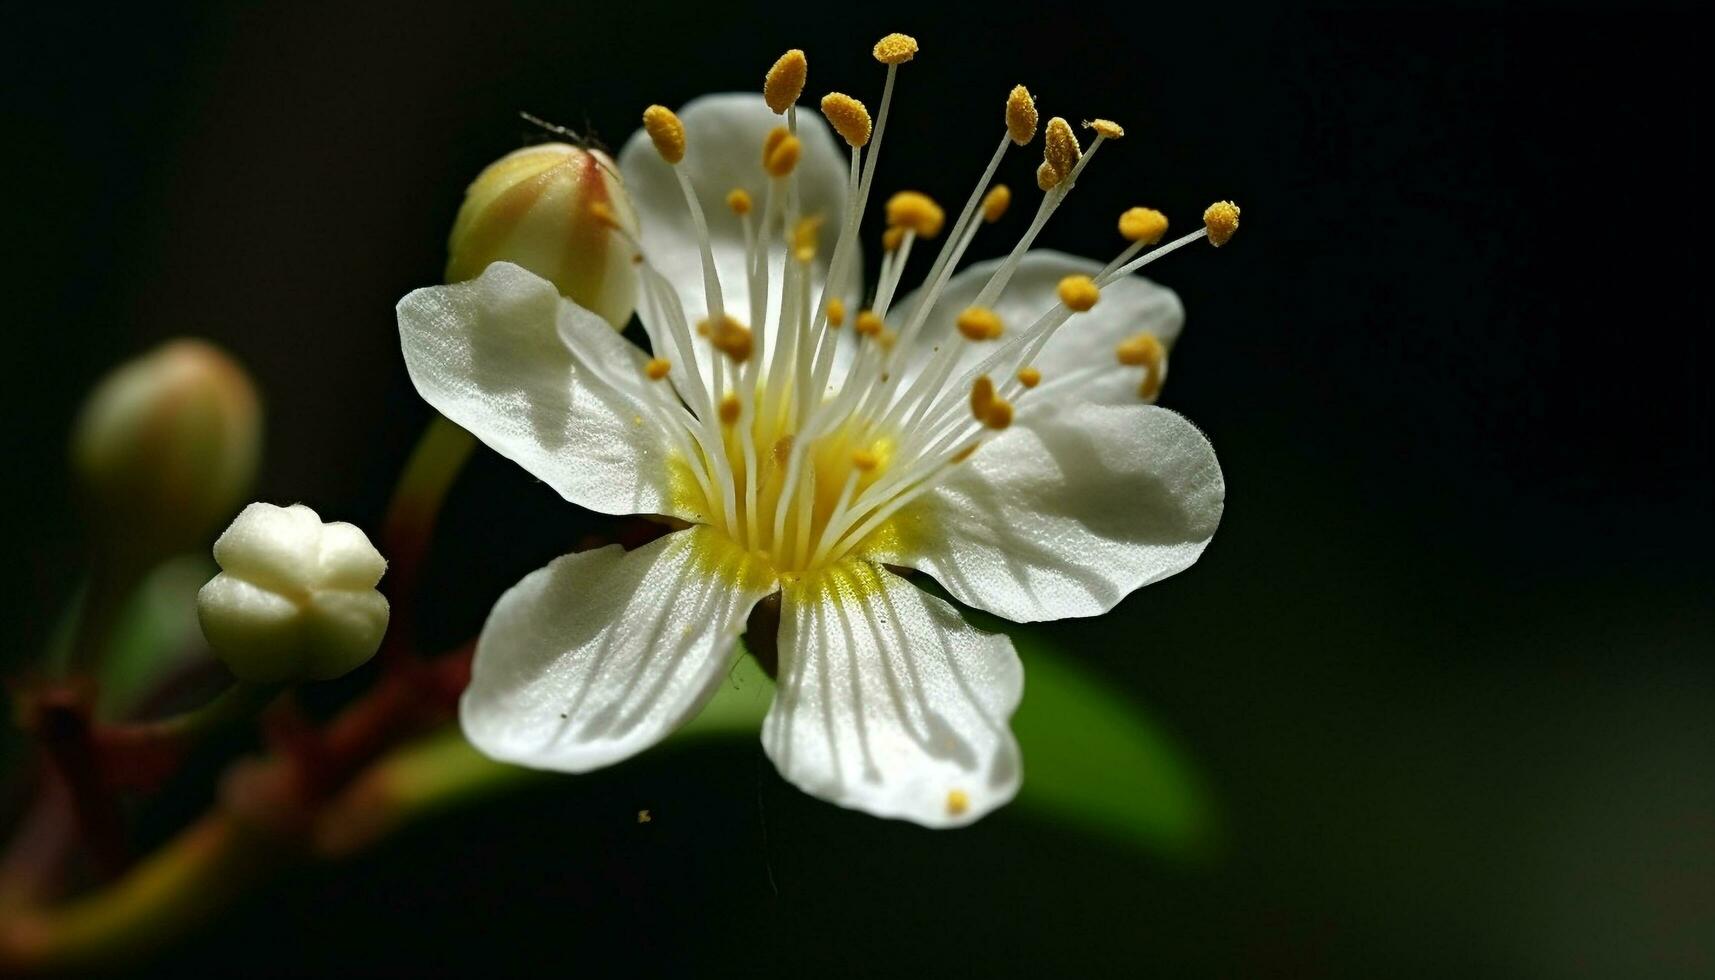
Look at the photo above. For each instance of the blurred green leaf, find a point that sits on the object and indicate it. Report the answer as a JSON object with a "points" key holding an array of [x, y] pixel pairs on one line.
{"points": [[155, 635], [1093, 758]]}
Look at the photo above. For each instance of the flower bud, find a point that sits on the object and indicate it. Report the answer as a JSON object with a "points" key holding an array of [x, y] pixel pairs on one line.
{"points": [[295, 597], [537, 208], [166, 447]]}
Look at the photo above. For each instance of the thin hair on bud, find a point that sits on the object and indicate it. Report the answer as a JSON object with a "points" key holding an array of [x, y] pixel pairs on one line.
{"points": [[587, 140]]}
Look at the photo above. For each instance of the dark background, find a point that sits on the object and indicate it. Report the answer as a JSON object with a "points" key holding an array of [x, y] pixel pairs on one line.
{"points": [[1447, 664]]}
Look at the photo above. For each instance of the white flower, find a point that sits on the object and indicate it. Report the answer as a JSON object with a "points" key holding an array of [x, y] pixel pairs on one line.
{"points": [[1026, 472], [295, 598]]}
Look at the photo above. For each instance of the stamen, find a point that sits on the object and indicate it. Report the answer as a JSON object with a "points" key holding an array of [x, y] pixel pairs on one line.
{"points": [[957, 802], [780, 160], [1060, 148], [1144, 225], [916, 211], [995, 203], [848, 117], [1138, 351], [979, 323], [1046, 177], [1020, 115], [738, 199], [865, 460], [1105, 128], [657, 368], [891, 238], [666, 132], [982, 397], [868, 324], [999, 414], [1221, 220], [730, 337], [805, 235], [785, 81], [1029, 376], [730, 409], [895, 49], [1079, 293], [836, 312]]}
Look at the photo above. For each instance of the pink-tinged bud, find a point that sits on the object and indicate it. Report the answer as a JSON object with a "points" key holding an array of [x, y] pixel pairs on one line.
{"points": [[559, 211], [166, 448]]}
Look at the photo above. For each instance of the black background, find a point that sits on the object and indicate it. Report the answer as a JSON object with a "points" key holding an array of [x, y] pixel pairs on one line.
{"points": [[1447, 663]]}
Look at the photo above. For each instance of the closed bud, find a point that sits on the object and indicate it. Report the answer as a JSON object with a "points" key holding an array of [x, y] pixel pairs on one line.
{"points": [[559, 211], [295, 598], [166, 447]]}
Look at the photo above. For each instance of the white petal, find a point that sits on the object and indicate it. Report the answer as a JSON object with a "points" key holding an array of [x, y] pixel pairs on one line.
{"points": [[1067, 512], [723, 150], [488, 354], [1128, 306], [601, 654], [890, 703]]}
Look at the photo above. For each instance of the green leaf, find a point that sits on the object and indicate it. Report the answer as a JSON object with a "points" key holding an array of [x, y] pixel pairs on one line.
{"points": [[156, 633], [1094, 759]]}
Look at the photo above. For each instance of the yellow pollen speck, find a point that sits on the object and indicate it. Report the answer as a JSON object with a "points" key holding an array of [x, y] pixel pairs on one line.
{"points": [[657, 368], [1060, 148], [865, 460], [966, 453], [1046, 178], [868, 324], [979, 323], [836, 312], [1142, 349], [805, 235], [1029, 376], [1145, 225], [730, 337], [730, 409], [785, 81], [1079, 293], [995, 202], [891, 238], [957, 802], [916, 211], [1105, 128], [781, 160], [895, 49], [738, 199], [848, 117], [666, 132], [643, 816], [982, 397], [999, 414], [1222, 219], [604, 216], [1020, 115]]}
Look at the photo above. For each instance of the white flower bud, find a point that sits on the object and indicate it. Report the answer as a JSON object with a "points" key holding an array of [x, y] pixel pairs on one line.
{"points": [[552, 209], [295, 597], [166, 447]]}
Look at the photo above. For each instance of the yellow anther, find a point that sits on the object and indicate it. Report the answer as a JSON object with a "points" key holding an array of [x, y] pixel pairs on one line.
{"points": [[1060, 147], [836, 312], [806, 234], [785, 81], [868, 324], [1079, 293], [982, 397], [1020, 115], [666, 132], [895, 49], [995, 202], [1222, 219], [848, 117], [916, 211], [1029, 376], [865, 461], [657, 368], [1046, 178], [979, 323], [1139, 351], [739, 200], [892, 238], [966, 453], [1151, 385], [886, 338], [783, 449], [999, 414], [775, 137], [783, 157], [730, 337], [1105, 128], [730, 409], [604, 216], [1145, 225], [957, 801]]}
